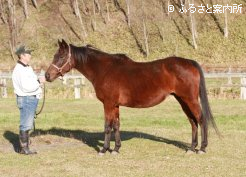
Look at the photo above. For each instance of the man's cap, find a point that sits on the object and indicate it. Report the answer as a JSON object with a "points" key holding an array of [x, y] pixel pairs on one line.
{"points": [[22, 50]]}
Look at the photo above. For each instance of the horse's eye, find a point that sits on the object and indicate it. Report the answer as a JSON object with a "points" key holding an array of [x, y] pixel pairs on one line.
{"points": [[61, 58]]}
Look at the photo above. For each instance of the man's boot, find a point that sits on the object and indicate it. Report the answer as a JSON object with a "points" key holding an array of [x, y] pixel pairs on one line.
{"points": [[24, 143]]}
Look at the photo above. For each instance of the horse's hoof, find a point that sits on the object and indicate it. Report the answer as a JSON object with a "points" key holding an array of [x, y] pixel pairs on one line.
{"points": [[101, 153], [114, 153], [190, 152], [201, 152]]}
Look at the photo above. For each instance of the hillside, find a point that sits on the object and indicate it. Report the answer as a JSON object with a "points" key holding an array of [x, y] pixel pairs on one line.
{"points": [[167, 34]]}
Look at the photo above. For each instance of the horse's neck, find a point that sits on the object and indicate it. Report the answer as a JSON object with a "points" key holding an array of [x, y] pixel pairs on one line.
{"points": [[92, 68]]}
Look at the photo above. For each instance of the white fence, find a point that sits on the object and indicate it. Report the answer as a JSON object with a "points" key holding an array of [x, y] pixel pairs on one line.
{"points": [[79, 81], [229, 76]]}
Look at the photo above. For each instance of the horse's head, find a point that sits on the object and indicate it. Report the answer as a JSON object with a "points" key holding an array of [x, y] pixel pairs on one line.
{"points": [[61, 63]]}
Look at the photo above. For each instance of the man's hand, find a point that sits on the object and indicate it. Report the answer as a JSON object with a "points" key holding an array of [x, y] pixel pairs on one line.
{"points": [[42, 79]]}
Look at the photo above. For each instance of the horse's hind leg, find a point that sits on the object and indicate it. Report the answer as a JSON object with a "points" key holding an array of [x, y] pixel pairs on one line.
{"points": [[196, 110], [116, 127], [193, 111], [204, 134]]}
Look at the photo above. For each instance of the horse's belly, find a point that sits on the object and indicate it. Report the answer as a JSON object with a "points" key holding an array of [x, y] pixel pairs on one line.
{"points": [[142, 100]]}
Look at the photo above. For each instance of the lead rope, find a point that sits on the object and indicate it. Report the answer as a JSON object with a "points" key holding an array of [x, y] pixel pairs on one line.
{"points": [[41, 109]]}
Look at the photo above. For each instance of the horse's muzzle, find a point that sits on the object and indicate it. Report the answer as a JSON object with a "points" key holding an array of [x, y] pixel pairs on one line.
{"points": [[47, 77]]}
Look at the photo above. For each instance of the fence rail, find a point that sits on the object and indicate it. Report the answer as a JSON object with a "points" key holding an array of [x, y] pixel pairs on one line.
{"points": [[79, 81]]}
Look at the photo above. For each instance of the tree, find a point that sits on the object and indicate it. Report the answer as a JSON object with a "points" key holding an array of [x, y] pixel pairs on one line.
{"points": [[168, 3], [97, 5], [128, 12], [146, 38], [76, 10], [74, 5], [182, 2], [107, 6], [2, 12], [193, 26], [145, 30], [93, 19], [226, 31], [12, 26], [25, 8], [35, 4]]}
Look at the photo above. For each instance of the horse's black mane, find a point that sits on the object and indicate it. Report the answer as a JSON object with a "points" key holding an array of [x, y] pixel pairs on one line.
{"points": [[82, 53]]}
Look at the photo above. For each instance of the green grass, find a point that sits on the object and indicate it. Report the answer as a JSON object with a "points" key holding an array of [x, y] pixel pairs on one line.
{"points": [[69, 133]]}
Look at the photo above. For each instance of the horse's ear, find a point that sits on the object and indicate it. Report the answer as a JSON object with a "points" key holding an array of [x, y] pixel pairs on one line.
{"points": [[64, 44], [59, 43]]}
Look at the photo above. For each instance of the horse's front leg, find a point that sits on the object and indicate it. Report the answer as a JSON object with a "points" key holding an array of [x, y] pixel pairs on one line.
{"points": [[111, 121], [107, 131]]}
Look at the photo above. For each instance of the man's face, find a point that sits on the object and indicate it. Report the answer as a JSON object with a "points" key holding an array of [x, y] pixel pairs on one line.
{"points": [[26, 57]]}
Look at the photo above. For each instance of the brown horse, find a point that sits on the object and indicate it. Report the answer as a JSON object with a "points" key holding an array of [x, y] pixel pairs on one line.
{"points": [[120, 81]]}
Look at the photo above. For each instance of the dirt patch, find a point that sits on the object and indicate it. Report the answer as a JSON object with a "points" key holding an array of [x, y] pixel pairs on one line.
{"points": [[43, 143]]}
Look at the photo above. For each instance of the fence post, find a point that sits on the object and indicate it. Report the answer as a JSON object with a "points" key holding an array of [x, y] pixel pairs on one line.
{"points": [[229, 77], [3, 83], [83, 81], [243, 88], [64, 81], [77, 88]]}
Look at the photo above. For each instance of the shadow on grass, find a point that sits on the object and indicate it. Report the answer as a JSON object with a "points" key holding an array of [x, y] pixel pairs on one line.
{"points": [[92, 139], [13, 138]]}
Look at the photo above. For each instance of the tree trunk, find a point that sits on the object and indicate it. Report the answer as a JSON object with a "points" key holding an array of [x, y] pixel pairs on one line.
{"points": [[35, 4], [226, 32], [116, 4], [193, 28], [162, 19], [108, 15], [100, 7], [85, 8], [93, 20], [128, 13], [75, 7], [2, 11], [77, 13], [97, 5], [145, 38], [182, 2], [12, 26], [168, 3], [145, 30], [25, 8]]}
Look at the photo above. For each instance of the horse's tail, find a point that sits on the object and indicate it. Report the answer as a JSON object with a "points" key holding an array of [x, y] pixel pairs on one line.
{"points": [[207, 115]]}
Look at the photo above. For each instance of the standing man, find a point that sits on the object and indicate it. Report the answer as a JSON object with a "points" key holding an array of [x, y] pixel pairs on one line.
{"points": [[27, 89]]}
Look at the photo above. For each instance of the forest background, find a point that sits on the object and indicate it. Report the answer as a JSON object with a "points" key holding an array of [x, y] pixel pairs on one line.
{"points": [[143, 29]]}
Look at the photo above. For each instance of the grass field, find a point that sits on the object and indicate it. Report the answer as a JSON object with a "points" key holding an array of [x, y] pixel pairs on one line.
{"points": [[154, 141]]}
